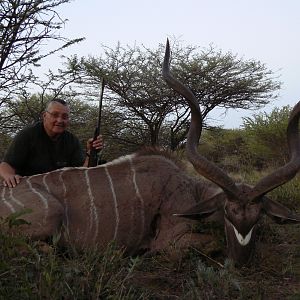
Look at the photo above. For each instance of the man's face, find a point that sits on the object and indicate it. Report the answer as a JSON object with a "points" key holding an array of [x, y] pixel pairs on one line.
{"points": [[56, 119]]}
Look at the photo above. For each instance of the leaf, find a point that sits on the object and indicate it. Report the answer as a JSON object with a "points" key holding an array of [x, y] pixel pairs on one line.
{"points": [[15, 220]]}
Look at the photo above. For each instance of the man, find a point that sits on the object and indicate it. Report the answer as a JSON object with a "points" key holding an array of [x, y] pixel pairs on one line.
{"points": [[45, 146]]}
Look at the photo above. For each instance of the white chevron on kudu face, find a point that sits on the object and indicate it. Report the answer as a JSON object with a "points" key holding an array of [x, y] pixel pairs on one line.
{"points": [[243, 241]]}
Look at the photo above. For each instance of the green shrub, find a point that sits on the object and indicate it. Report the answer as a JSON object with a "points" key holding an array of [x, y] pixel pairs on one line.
{"points": [[210, 283], [5, 140], [288, 194], [36, 270], [259, 144], [226, 147], [266, 140]]}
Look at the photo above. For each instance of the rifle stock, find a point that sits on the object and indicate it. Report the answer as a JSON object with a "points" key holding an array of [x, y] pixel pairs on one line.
{"points": [[94, 158]]}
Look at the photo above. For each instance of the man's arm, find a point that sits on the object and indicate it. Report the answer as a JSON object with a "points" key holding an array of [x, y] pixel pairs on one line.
{"points": [[15, 156], [77, 157], [8, 174]]}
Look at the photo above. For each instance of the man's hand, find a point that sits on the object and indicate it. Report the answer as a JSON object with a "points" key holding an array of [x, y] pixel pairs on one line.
{"points": [[9, 176], [96, 144], [11, 180]]}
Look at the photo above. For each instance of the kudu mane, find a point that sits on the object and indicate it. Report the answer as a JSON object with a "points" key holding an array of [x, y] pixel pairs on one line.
{"points": [[157, 151]]}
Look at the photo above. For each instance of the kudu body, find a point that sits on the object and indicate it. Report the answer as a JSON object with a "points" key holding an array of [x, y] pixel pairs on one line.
{"points": [[133, 199], [129, 200]]}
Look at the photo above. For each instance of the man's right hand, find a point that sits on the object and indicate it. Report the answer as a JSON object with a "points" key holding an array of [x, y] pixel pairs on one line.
{"points": [[12, 180]]}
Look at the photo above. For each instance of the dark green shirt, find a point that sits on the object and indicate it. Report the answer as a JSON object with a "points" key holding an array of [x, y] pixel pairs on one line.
{"points": [[33, 152]]}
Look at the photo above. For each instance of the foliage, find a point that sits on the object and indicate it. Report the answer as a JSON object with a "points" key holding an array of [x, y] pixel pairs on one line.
{"points": [[5, 141], [24, 27], [22, 112], [211, 283], [266, 137], [42, 272], [36, 270], [261, 143], [141, 109], [31, 270], [147, 111], [290, 192], [15, 220], [226, 147], [28, 110], [135, 87]]}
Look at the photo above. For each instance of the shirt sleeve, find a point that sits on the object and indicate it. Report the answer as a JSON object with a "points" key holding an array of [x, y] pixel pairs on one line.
{"points": [[17, 152]]}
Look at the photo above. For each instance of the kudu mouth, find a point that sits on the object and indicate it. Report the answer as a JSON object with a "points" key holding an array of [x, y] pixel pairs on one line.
{"points": [[240, 247]]}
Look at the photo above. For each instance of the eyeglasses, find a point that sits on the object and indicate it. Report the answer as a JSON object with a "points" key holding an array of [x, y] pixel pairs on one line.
{"points": [[56, 115]]}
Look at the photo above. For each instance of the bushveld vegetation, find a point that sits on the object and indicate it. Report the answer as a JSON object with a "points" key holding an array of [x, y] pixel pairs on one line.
{"points": [[36, 270], [39, 270]]}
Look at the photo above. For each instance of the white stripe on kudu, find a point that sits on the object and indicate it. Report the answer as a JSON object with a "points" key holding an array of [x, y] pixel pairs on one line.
{"points": [[45, 183], [93, 209], [5, 202], [138, 194], [44, 200], [65, 199], [15, 199], [115, 201]]}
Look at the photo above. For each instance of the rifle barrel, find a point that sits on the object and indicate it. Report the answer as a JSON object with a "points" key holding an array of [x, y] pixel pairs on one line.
{"points": [[94, 154]]}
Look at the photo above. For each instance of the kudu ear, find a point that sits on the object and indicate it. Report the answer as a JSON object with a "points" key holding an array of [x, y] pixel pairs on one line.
{"points": [[279, 213], [203, 209]]}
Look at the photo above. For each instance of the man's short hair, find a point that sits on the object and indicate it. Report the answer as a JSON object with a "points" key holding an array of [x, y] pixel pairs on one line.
{"points": [[59, 100]]}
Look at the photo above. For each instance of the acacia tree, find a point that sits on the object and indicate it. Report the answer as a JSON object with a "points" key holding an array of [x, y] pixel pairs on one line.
{"points": [[133, 76], [25, 25], [26, 107]]}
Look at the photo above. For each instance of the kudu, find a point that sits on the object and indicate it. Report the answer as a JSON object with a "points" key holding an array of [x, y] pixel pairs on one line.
{"points": [[132, 200]]}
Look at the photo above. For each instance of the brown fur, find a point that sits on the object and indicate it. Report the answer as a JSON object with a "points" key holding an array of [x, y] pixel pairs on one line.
{"points": [[168, 154]]}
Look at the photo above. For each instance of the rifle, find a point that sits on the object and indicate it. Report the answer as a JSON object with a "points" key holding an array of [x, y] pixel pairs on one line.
{"points": [[94, 158]]}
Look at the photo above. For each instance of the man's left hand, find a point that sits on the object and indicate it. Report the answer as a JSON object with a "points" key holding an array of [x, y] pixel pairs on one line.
{"points": [[96, 144]]}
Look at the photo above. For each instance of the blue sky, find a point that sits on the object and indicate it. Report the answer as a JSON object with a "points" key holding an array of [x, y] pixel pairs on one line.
{"points": [[264, 30]]}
